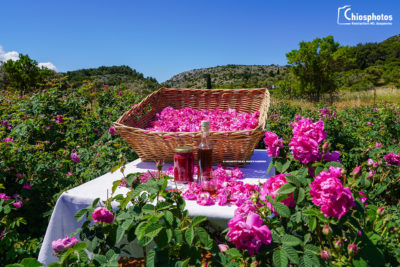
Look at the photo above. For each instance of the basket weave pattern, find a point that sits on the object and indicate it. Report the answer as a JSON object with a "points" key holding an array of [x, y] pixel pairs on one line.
{"points": [[230, 148]]}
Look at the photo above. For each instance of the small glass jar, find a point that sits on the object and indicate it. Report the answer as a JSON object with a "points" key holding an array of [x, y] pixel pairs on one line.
{"points": [[183, 164]]}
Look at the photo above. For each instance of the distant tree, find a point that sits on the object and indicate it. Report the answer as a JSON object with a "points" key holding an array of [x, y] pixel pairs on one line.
{"points": [[313, 65], [24, 74], [271, 73], [278, 72], [208, 80]]}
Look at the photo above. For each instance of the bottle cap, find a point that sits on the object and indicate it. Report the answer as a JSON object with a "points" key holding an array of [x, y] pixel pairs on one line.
{"points": [[205, 125]]}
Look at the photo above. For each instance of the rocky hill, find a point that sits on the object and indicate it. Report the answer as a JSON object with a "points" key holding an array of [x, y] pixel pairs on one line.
{"points": [[229, 76]]}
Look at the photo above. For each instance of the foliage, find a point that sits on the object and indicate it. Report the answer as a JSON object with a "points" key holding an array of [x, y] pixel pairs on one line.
{"points": [[40, 147], [24, 74]]}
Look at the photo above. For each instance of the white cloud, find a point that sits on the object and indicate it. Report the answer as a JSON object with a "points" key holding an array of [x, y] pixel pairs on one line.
{"points": [[14, 55], [5, 56], [48, 65]]}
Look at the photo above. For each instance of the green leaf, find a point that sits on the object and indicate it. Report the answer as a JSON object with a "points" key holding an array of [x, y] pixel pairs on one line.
{"points": [[198, 219], [312, 223], [144, 241], [287, 189], [115, 186], [148, 208], [83, 257], [182, 263], [292, 179], [278, 166], [153, 229], [151, 258], [80, 246], [360, 262], [189, 235], [100, 259], [139, 231], [80, 214], [178, 235], [120, 234], [203, 235], [29, 262], [282, 209], [285, 166], [300, 196], [280, 258], [292, 254], [290, 240], [169, 217], [234, 253]]}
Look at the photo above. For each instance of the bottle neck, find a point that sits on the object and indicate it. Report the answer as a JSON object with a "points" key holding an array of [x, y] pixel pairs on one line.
{"points": [[205, 142]]}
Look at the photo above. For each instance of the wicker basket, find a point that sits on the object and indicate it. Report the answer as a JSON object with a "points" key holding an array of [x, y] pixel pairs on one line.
{"points": [[230, 148]]}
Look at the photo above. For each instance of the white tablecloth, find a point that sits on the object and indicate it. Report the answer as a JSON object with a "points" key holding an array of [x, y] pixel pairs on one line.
{"points": [[62, 222]]}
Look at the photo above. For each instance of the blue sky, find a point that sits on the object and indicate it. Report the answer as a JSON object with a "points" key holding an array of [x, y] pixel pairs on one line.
{"points": [[161, 38]]}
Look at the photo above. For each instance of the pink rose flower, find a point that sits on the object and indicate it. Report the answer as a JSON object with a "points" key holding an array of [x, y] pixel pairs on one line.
{"points": [[328, 192], [27, 186], [17, 204], [249, 234], [120, 93], [392, 159], [271, 188], [378, 144], [4, 196], [102, 214], [205, 199], [75, 157], [59, 119], [352, 249], [273, 144], [62, 244], [111, 130], [307, 136]]}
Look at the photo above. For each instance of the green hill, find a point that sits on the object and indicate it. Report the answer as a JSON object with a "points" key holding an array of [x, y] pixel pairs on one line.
{"points": [[229, 76]]}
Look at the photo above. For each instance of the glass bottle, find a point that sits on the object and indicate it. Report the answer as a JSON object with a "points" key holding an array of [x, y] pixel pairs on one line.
{"points": [[205, 160]]}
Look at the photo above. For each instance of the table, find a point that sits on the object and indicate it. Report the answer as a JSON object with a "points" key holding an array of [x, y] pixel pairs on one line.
{"points": [[62, 222]]}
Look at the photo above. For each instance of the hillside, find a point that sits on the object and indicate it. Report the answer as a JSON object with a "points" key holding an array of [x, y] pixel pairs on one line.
{"points": [[112, 76], [229, 76]]}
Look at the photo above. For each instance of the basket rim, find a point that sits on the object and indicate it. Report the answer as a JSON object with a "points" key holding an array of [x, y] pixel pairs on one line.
{"points": [[259, 127]]}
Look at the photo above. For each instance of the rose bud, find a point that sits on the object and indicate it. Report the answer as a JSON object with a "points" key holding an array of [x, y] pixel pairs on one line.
{"points": [[159, 165], [338, 244], [223, 247], [352, 249], [325, 147], [327, 230], [357, 171], [325, 255], [380, 211]]}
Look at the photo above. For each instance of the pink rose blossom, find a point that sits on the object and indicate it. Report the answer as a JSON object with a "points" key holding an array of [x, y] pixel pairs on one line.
{"points": [[59, 119], [307, 136], [106, 86], [75, 157], [17, 204], [392, 159], [205, 199], [120, 93], [102, 214], [19, 175], [111, 130], [378, 144], [271, 188], [27, 186], [4, 196], [62, 244], [249, 234], [273, 144], [328, 192]]}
